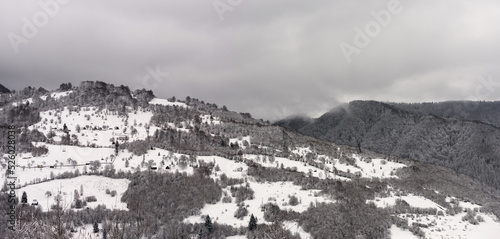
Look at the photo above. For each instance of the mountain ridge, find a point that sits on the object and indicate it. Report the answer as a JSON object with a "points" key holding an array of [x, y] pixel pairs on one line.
{"points": [[4, 89], [368, 123]]}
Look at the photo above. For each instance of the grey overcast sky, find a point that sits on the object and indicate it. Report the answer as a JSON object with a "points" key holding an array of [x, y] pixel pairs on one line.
{"points": [[269, 58]]}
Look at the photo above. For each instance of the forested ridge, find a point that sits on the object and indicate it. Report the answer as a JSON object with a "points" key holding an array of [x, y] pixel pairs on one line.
{"points": [[449, 134]]}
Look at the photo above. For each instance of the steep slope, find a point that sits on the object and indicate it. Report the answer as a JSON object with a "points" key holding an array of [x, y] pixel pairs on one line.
{"points": [[469, 147]]}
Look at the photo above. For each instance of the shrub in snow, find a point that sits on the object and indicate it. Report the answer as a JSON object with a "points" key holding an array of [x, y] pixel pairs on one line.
{"points": [[96, 227], [471, 217], [293, 201], [91, 199], [194, 211], [226, 199], [78, 204], [242, 193], [270, 212], [241, 212]]}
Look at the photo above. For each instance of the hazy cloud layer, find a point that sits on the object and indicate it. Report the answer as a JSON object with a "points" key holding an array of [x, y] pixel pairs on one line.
{"points": [[269, 58]]}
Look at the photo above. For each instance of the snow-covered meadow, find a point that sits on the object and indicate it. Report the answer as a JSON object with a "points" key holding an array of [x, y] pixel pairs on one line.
{"points": [[87, 185]]}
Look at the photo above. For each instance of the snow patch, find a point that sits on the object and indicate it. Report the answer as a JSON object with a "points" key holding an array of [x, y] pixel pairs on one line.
{"points": [[157, 101], [92, 186], [398, 233], [277, 193], [412, 200]]}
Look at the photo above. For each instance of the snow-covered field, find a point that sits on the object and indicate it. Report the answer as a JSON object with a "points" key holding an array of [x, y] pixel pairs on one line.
{"points": [[453, 227], [443, 226], [276, 193], [34, 169], [45, 193], [365, 168], [398, 233], [377, 168], [96, 127]]}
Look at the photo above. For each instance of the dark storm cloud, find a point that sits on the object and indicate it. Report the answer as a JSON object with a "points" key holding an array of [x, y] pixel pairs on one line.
{"points": [[269, 58]]}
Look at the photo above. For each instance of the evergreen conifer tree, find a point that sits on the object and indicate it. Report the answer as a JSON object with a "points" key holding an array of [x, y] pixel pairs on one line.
{"points": [[24, 198], [116, 147], [96, 227], [208, 224], [252, 225]]}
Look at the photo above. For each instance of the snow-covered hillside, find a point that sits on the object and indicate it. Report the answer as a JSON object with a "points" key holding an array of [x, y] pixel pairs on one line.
{"points": [[96, 127], [83, 148]]}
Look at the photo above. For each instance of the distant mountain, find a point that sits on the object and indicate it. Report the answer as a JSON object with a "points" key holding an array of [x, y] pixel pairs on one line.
{"points": [[433, 133], [4, 89]]}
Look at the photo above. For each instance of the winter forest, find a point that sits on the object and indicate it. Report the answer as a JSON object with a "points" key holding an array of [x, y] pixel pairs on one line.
{"points": [[101, 161]]}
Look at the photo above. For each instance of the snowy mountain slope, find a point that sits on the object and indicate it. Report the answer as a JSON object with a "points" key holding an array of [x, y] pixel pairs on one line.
{"points": [[149, 153]]}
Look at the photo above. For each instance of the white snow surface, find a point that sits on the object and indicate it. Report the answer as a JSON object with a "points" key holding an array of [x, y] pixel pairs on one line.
{"points": [[237, 237], [92, 186], [295, 165], [35, 169], [231, 168], [57, 95], [240, 140], [412, 200], [87, 232], [377, 168], [211, 120], [277, 193], [362, 167], [158, 101], [450, 227], [24, 101], [398, 233], [96, 127]]}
